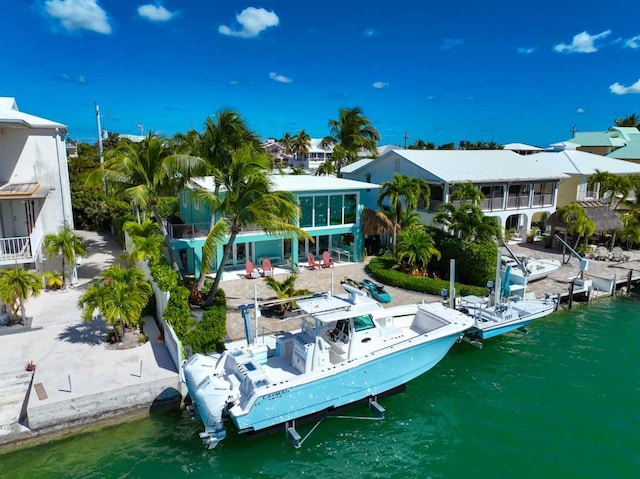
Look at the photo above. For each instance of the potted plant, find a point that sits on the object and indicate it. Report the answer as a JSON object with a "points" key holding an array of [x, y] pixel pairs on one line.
{"points": [[530, 236], [30, 366]]}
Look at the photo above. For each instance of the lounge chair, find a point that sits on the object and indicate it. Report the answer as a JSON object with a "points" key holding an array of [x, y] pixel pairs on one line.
{"points": [[252, 273], [601, 253], [267, 269], [313, 264], [327, 260], [617, 254]]}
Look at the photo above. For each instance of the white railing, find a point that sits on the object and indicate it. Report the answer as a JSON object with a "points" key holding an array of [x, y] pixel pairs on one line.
{"points": [[17, 248]]}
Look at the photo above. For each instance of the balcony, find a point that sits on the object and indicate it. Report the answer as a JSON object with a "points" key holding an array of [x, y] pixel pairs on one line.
{"points": [[192, 231], [16, 250]]}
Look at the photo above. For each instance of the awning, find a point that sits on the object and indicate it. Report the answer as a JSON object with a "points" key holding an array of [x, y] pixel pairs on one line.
{"points": [[22, 191]]}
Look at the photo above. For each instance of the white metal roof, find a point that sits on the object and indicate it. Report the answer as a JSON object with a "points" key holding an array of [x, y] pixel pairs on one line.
{"points": [[301, 183], [521, 147], [10, 116], [462, 166], [575, 162], [356, 165]]}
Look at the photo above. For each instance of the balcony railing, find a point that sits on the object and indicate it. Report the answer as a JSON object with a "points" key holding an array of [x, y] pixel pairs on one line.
{"points": [[192, 231], [518, 201], [542, 199], [17, 248]]}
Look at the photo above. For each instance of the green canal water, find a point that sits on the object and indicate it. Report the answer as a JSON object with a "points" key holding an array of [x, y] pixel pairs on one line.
{"points": [[562, 401]]}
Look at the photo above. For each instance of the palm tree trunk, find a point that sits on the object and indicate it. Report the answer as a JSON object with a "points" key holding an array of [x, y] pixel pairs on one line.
{"points": [[22, 312], [121, 329], [167, 241], [203, 271], [208, 300], [64, 282]]}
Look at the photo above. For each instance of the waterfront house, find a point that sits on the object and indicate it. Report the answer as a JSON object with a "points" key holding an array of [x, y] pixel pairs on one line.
{"points": [[516, 191], [579, 165], [316, 156], [622, 143], [331, 212], [35, 196]]}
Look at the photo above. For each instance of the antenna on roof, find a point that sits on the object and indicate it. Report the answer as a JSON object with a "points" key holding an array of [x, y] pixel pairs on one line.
{"points": [[573, 131], [406, 137]]}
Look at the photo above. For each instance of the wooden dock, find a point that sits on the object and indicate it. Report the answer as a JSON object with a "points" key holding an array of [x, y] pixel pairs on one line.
{"points": [[607, 277]]}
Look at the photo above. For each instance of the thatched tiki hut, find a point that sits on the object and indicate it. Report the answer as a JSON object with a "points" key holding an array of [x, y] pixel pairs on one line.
{"points": [[374, 225], [605, 219]]}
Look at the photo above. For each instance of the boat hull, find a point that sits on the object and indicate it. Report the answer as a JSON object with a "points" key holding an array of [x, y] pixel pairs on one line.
{"points": [[534, 310], [345, 384]]}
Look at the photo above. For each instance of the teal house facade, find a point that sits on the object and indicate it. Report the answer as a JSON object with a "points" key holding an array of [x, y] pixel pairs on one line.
{"points": [[330, 212]]}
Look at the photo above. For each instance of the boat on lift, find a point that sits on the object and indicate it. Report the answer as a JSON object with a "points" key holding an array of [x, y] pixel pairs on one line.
{"points": [[530, 268], [502, 311], [348, 349]]}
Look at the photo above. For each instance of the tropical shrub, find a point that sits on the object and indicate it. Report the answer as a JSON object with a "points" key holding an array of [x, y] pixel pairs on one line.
{"points": [[209, 334], [177, 312], [164, 275], [475, 261], [16, 286], [382, 269]]}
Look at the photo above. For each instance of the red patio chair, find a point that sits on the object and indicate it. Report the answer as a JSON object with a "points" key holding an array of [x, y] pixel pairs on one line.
{"points": [[252, 272], [327, 260], [313, 264], [267, 269]]}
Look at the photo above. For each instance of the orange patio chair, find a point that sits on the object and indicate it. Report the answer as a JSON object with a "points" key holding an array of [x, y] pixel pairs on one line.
{"points": [[327, 260], [313, 264], [267, 269], [252, 272]]}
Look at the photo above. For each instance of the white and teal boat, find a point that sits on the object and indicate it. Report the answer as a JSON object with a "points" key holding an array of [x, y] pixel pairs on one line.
{"points": [[349, 349]]}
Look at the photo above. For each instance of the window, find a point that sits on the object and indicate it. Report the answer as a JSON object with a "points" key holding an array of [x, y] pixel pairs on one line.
{"points": [[306, 211], [321, 210], [335, 210], [350, 202], [363, 322]]}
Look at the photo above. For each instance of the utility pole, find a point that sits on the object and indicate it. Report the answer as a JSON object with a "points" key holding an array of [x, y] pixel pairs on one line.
{"points": [[406, 137], [100, 149]]}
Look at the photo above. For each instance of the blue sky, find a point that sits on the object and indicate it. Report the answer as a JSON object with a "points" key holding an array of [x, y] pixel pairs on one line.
{"points": [[441, 71]]}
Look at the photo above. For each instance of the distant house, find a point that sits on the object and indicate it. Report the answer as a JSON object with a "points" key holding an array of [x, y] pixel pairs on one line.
{"points": [[276, 150], [618, 142], [331, 212], [316, 156], [579, 165], [35, 196], [516, 191]]}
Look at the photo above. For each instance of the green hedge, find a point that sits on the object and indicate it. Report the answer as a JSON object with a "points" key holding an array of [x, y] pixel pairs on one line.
{"points": [[382, 269], [209, 334], [164, 275], [177, 313], [475, 262]]}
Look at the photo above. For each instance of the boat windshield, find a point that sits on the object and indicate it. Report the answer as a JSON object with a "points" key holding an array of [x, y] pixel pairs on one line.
{"points": [[363, 322]]}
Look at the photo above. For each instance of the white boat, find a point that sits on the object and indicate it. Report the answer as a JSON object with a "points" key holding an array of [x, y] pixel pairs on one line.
{"points": [[530, 268], [495, 319], [348, 349]]}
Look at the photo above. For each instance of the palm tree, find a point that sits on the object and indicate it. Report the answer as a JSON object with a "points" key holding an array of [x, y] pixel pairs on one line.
{"points": [[467, 222], [416, 247], [287, 143], [144, 172], [65, 244], [613, 185], [422, 145], [248, 200], [285, 289], [121, 297], [354, 132], [16, 286], [630, 233], [629, 120], [403, 189], [326, 169], [301, 145], [466, 192], [578, 223]]}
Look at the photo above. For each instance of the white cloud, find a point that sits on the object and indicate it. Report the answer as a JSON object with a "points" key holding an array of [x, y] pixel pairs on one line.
{"points": [[253, 21], [449, 43], [580, 110], [79, 79], [155, 13], [619, 89], [526, 50], [369, 32], [633, 42], [279, 78], [79, 15], [582, 43], [380, 84]]}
